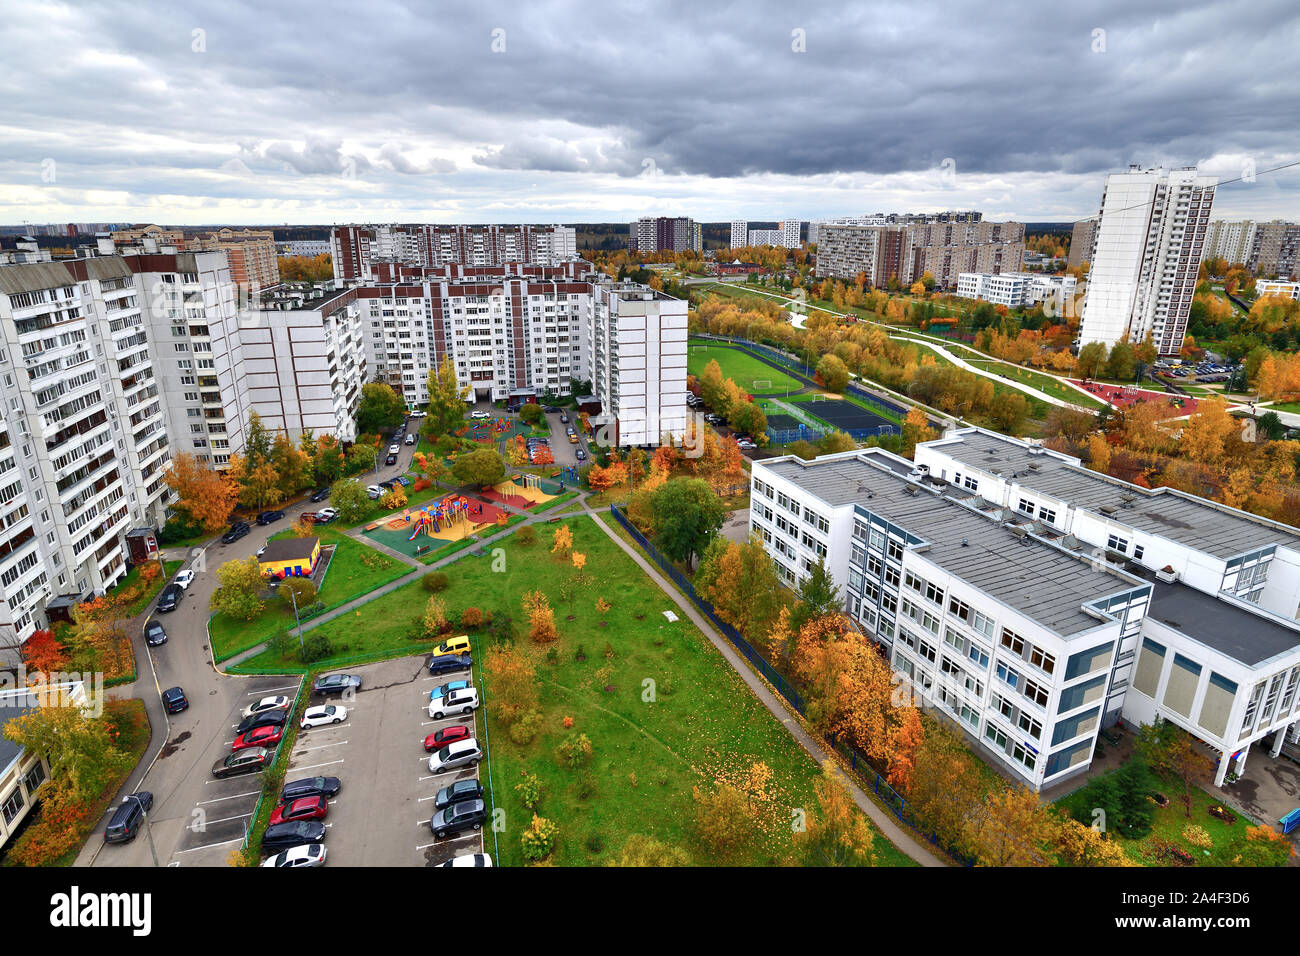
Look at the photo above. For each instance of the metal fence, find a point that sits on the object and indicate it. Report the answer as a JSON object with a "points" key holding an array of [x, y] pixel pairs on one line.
{"points": [[861, 768]]}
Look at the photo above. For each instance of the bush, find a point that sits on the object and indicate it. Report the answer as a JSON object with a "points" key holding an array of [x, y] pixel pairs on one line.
{"points": [[539, 839], [524, 729], [530, 791], [178, 528], [574, 753], [421, 484], [315, 648], [435, 581], [471, 617], [595, 843], [526, 535]]}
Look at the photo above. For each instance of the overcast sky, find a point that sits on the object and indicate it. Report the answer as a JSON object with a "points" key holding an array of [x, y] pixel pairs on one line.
{"points": [[259, 112]]}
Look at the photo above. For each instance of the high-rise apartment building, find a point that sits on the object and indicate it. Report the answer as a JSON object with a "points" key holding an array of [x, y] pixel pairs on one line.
{"points": [[355, 248], [1275, 249], [1230, 240], [664, 234], [1150, 238], [785, 235], [250, 253], [1081, 240], [910, 246]]}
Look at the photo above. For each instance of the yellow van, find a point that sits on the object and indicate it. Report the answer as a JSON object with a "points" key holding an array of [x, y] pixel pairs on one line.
{"points": [[453, 645]]}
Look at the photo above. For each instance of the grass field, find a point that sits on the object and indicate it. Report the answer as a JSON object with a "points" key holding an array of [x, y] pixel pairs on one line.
{"points": [[739, 366], [664, 712], [1038, 408], [355, 569]]}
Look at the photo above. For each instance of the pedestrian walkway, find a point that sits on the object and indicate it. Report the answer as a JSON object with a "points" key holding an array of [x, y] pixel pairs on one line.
{"points": [[885, 822]]}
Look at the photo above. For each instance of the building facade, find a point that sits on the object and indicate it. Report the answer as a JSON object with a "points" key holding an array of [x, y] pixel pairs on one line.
{"points": [[905, 250], [1277, 287], [356, 248], [664, 234], [1150, 239], [1017, 290], [1081, 240]]}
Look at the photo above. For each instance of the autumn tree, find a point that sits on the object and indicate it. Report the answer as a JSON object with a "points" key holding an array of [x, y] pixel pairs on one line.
{"points": [[205, 497], [81, 750], [834, 374], [239, 591], [711, 386], [1092, 360], [99, 624], [562, 542], [908, 736], [723, 819], [541, 618], [1210, 433], [946, 784], [741, 582], [837, 832], [514, 683], [1011, 827], [43, 653], [1171, 752], [644, 851], [1080, 845], [916, 429]]}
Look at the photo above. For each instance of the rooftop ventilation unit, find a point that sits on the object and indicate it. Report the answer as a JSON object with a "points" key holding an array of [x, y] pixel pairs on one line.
{"points": [[1070, 542], [910, 490], [1108, 509], [1035, 450], [1034, 466]]}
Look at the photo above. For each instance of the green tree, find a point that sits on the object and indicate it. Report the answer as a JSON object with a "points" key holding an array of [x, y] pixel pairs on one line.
{"points": [[531, 413], [483, 466], [379, 409], [833, 373], [818, 597], [446, 401], [1172, 752], [748, 418], [1092, 360], [685, 514], [1008, 410], [350, 500], [240, 587], [1121, 363], [834, 442], [1133, 808]]}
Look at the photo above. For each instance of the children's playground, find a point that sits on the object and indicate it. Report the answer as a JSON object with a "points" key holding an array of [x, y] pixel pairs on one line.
{"points": [[1124, 396], [524, 491], [492, 430], [420, 530]]}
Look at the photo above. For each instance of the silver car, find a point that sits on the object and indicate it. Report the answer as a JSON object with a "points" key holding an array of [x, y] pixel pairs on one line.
{"points": [[463, 753]]}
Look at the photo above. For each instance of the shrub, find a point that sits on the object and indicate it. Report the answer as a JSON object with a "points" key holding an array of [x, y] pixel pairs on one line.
{"points": [[539, 839], [1197, 836], [421, 484], [435, 581], [315, 647], [471, 617], [574, 752], [526, 535], [524, 729], [595, 843], [530, 791]]}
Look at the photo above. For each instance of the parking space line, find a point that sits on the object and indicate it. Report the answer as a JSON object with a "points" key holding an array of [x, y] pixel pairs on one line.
{"points": [[304, 750], [263, 693], [209, 846], [315, 765], [251, 793], [208, 823]]}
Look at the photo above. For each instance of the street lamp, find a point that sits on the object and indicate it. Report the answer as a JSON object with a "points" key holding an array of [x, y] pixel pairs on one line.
{"points": [[148, 827], [293, 598]]}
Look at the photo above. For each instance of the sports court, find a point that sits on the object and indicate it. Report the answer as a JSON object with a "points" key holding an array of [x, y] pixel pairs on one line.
{"points": [[750, 374], [844, 415]]}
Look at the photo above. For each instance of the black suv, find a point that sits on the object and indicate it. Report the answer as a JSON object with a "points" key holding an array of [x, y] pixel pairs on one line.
{"points": [[128, 818], [471, 789], [170, 597], [237, 531], [447, 663], [267, 718], [266, 517], [321, 494], [174, 700], [310, 787], [286, 836], [466, 815]]}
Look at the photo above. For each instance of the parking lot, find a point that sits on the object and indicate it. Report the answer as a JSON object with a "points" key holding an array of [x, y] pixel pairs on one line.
{"points": [[381, 814]]}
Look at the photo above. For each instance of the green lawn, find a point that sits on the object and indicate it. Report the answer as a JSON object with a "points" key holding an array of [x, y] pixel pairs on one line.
{"points": [[702, 724], [354, 570], [133, 576], [1048, 384], [743, 368], [1292, 407]]}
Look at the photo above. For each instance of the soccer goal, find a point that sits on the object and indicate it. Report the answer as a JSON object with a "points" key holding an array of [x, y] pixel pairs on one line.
{"points": [[759, 384], [819, 398]]}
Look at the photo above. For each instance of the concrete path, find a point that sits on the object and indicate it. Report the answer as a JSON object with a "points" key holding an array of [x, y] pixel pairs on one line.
{"points": [[896, 833], [1027, 389]]}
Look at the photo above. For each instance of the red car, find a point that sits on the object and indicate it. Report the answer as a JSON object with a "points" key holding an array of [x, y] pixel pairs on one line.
{"points": [[265, 736], [446, 736], [305, 808]]}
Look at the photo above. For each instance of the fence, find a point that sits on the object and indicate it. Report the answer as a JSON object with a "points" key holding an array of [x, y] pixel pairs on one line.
{"points": [[858, 763]]}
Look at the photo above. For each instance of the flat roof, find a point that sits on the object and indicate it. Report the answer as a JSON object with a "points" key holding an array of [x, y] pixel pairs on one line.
{"points": [[1195, 522], [288, 549], [1045, 583], [1234, 631]]}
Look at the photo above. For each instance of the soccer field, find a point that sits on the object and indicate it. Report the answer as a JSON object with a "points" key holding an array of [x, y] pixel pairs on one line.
{"points": [[741, 367]]}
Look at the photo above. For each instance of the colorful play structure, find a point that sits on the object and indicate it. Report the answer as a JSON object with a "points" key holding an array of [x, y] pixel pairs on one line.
{"points": [[439, 517], [482, 430]]}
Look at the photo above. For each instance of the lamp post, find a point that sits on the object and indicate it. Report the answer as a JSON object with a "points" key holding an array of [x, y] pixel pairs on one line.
{"points": [[293, 598], [148, 827]]}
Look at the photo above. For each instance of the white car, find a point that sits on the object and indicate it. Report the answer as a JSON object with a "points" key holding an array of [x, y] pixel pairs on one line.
{"points": [[479, 413], [279, 702], [326, 514], [327, 714], [394, 449], [410, 439], [309, 854], [184, 579], [469, 859], [374, 491], [462, 753], [457, 702]]}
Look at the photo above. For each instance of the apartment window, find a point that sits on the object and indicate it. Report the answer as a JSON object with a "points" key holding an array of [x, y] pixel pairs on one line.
{"points": [[933, 593], [895, 551], [998, 738], [13, 806], [1030, 726], [1003, 706], [1036, 692], [978, 655], [913, 582], [970, 484], [876, 541], [1042, 660], [1138, 551], [1027, 507], [1047, 515], [1115, 543], [1013, 641], [1022, 754], [1008, 676]]}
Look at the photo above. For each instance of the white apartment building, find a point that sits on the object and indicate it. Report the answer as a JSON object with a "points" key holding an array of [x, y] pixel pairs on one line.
{"points": [[739, 233], [356, 248], [1230, 240], [304, 247], [785, 235], [1148, 247], [1018, 289], [1277, 287], [1220, 652]]}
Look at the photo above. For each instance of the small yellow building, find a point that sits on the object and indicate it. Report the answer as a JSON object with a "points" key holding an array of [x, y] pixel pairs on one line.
{"points": [[290, 557]]}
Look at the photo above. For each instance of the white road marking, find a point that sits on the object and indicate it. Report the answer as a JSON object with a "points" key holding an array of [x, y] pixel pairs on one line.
{"points": [[251, 793], [197, 828], [211, 845], [315, 765], [263, 693], [304, 750]]}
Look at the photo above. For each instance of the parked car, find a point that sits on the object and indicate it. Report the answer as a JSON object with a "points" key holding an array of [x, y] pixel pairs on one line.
{"points": [[174, 700], [171, 596], [326, 515], [479, 413], [471, 789], [448, 735], [329, 714], [402, 480], [468, 859], [263, 718], [746, 444], [466, 815], [128, 818], [286, 836], [410, 439], [242, 761], [310, 787], [237, 531], [564, 418], [374, 491], [391, 459], [580, 455], [336, 684], [453, 645], [305, 808], [263, 735], [394, 449], [447, 663], [183, 579], [307, 854], [278, 702], [442, 690], [457, 702], [464, 753], [154, 634], [266, 517], [320, 494], [387, 484]]}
